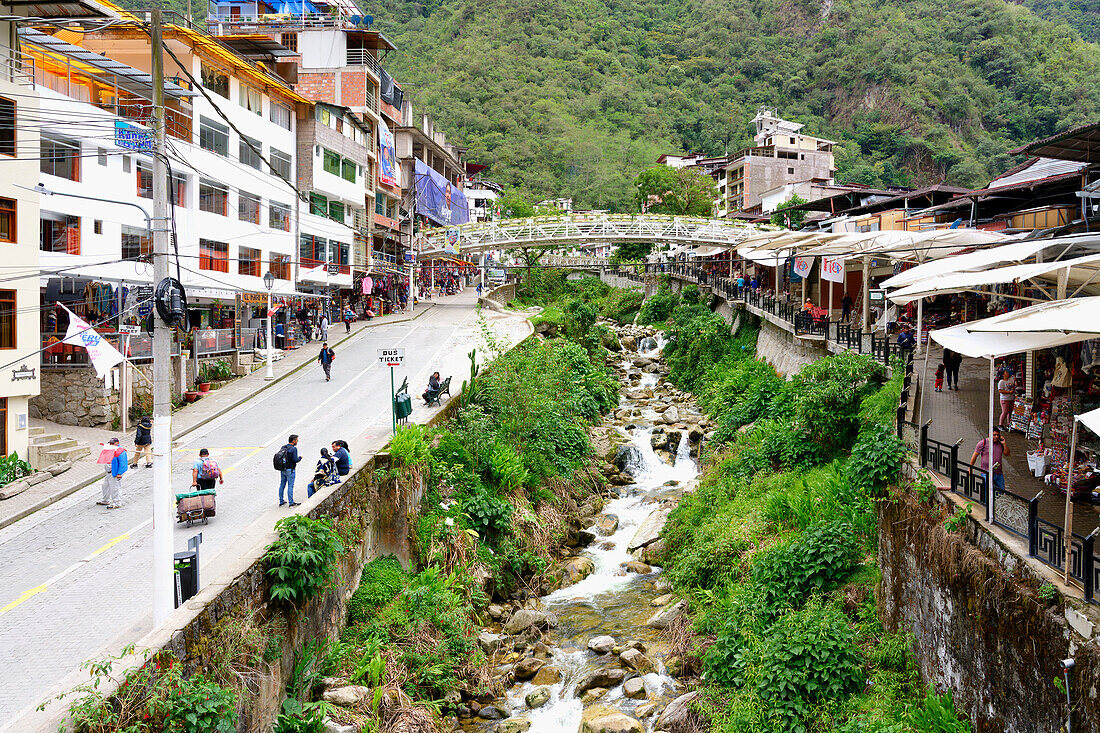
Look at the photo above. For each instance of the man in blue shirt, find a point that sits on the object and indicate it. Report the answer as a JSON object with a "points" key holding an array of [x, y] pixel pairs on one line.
{"points": [[280, 331], [112, 480], [343, 458], [286, 475]]}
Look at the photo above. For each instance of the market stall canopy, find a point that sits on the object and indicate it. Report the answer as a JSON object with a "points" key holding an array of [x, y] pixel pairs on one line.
{"points": [[1091, 420], [1015, 252], [772, 258], [1075, 315], [1079, 272], [964, 340], [709, 251]]}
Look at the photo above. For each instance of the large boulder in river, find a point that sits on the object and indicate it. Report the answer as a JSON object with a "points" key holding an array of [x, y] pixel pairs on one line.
{"points": [[601, 644], [526, 668], [628, 458], [629, 342], [677, 717], [607, 525], [608, 677], [606, 719], [347, 696], [547, 676], [651, 527], [526, 618], [634, 688], [576, 569], [489, 642], [633, 659], [663, 618], [514, 725], [537, 697], [671, 415]]}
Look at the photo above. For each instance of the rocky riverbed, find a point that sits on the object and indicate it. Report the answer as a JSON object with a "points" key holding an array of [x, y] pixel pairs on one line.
{"points": [[589, 656]]}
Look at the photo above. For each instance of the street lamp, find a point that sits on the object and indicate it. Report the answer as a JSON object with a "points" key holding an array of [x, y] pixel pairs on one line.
{"points": [[269, 283]]}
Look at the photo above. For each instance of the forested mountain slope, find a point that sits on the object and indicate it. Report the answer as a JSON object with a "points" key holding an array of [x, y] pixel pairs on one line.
{"points": [[575, 97], [1084, 15]]}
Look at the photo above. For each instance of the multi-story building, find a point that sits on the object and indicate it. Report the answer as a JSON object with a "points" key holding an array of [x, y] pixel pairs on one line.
{"points": [[432, 170], [481, 194], [782, 154]]}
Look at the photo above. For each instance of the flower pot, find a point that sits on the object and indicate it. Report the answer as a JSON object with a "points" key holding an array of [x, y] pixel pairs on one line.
{"points": [[204, 386], [190, 396]]}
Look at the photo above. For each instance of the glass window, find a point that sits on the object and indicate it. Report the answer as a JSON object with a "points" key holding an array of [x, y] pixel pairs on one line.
{"points": [[251, 99], [144, 181], [279, 216], [135, 243], [280, 163], [7, 127], [336, 211], [250, 155], [59, 233], [7, 322], [379, 204], [213, 136], [280, 266], [126, 164], [215, 79], [213, 198], [318, 204], [248, 261], [101, 157], [7, 220], [280, 114], [61, 158], [290, 40], [312, 250], [248, 207], [180, 181], [325, 116], [213, 255], [332, 163], [347, 169]]}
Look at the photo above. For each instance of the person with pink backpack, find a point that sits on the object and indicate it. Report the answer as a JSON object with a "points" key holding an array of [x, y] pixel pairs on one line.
{"points": [[205, 471]]}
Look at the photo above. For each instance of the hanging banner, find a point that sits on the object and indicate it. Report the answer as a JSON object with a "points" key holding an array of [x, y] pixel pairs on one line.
{"points": [[439, 199], [802, 266], [388, 172], [103, 355], [451, 245], [832, 270]]}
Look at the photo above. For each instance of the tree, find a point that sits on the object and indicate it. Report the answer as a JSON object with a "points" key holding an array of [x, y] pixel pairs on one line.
{"points": [[677, 191], [516, 205], [787, 216], [631, 252]]}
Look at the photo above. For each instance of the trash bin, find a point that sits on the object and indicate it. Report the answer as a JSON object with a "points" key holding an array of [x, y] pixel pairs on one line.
{"points": [[187, 575], [402, 405]]}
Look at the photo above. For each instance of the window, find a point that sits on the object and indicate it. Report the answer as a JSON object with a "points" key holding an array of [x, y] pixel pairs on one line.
{"points": [[7, 319], [101, 157], [347, 170], [126, 164], [280, 266], [325, 117], [279, 217], [144, 181], [180, 182], [213, 198], [97, 226], [318, 204], [61, 158], [280, 114], [59, 233], [7, 127], [792, 141], [340, 252], [215, 80], [290, 40], [379, 204], [213, 255], [251, 99], [7, 220], [332, 163], [248, 262], [251, 154], [213, 136], [790, 171], [280, 163], [135, 243], [248, 207], [336, 211], [312, 250]]}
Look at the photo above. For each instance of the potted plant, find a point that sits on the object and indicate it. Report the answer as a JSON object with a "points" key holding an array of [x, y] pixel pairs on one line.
{"points": [[203, 379]]}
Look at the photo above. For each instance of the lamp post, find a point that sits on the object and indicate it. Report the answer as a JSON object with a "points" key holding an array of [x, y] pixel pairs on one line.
{"points": [[269, 283]]}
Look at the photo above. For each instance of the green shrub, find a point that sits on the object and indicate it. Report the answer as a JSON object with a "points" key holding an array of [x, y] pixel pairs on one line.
{"points": [[937, 715], [876, 458], [12, 467], [409, 445], [298, 717], [382, 579], [622, 305], [506, 469], [198, 705], [488, 515], [658, 307], [815, 560], [580, 316], [302, 561]]}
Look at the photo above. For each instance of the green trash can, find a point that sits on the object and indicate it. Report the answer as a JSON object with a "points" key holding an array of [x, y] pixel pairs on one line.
{"points": [[402, 405]]}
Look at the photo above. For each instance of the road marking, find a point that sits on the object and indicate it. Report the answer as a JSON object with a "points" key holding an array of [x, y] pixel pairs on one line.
{"points": [[223, 449], [22, 597]]}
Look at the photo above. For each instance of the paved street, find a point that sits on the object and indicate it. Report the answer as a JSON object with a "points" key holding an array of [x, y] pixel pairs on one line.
{"points": [[74, 577]]}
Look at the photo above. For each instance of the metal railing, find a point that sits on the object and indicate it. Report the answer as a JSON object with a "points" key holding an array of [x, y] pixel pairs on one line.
{"points": [[18, 68]]}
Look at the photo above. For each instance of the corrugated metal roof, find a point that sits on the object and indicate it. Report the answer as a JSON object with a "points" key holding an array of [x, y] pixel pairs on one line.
{"points": [[1039, 169]]}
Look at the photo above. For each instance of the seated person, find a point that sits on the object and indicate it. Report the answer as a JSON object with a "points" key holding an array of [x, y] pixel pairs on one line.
{"points": [[433, 387], [324, 475], [342, 457]]}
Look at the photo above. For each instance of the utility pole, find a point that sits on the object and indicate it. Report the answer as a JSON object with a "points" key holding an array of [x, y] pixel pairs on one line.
{"points": [[163, 601]]}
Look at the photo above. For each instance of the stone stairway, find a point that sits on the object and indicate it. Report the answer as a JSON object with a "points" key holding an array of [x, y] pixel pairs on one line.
{"points": [[47, 449]]}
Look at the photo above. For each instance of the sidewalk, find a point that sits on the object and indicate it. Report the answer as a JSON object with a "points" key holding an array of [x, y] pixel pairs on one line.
{"points": [[965, 414], [216, 403]]}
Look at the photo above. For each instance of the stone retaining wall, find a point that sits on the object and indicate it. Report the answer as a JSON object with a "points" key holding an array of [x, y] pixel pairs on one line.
{"points": [[74, 396]]}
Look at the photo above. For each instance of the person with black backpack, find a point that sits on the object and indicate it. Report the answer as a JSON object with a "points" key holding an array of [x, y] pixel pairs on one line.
{"points": [[285, 461], [325, 358]]}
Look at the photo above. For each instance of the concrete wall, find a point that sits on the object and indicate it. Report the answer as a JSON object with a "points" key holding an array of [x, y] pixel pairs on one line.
{"points": [[616, 281], [498, 297], [979, 627], [786, 353]]}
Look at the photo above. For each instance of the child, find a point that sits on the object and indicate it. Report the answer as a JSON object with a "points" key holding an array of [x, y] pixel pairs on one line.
{"points": [[939, 377]]}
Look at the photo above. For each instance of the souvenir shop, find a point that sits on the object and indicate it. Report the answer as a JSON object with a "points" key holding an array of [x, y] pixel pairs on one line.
{"points": [[380, 292], [1052, 386]]}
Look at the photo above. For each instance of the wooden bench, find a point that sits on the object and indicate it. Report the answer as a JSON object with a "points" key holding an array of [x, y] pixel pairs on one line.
{"points": [[434, 396]]}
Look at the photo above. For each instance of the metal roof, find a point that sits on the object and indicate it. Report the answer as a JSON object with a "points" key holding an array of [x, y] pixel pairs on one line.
{"points": [[128, 78], [257, 47], [1081, 144], [71, 9], [1035, 170]]}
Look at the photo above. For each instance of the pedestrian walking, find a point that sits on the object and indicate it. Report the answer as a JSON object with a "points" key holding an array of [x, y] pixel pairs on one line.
{"points": [[348, 316], [952, 360], [143, 441], [286, 461], [940, 371], [115, 464], [280, 334], [205, 471], [1000, 452], [325, 357], [324, 328], [846, 304], [1006, 389], [479, 290]]}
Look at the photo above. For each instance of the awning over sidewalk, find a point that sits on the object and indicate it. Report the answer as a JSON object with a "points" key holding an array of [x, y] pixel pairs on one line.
{"points": [[1080, 272], [993, 345], [1076, 315]]}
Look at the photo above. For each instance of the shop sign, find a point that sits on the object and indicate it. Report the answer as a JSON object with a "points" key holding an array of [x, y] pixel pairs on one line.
{"points": [[333, 268], [451, 247], [132, 137], [802, 266], [876, 295], [254, 298], [23, 372], [832, 270]]}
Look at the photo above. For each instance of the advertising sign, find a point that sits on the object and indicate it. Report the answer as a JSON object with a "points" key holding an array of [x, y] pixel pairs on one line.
{"points": [[451, 247], [438, 199], [802, 266], [832, 270], [388, 171], [132, 137]]}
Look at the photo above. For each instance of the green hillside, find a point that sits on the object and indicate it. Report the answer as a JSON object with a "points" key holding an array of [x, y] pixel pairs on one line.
{"points": [[1084, 15], [575, 97]]}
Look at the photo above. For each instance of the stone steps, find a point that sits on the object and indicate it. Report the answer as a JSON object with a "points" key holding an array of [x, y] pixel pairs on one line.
{"points": [[47, 449]]}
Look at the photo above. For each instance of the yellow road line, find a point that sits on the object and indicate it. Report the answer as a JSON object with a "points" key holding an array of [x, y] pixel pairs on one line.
{"points": [[238, 463], [23, 597], [109, 545], [219, 448]]}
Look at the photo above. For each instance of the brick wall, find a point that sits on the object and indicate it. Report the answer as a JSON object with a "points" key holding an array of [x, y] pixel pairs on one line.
{"points": [[317, 86]]}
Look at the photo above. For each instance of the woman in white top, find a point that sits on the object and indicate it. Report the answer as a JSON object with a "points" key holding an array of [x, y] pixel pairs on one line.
{"points": [[1006, 389]]}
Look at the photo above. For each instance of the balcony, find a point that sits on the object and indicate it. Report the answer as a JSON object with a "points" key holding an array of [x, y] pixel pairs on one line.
{"points": [[18, 68]]}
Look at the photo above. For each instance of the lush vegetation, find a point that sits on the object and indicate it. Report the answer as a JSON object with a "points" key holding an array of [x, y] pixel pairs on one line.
{"points": [[12, 467], [1080, 14], [576, 99], [302, 562], [775, 549], [572, 306], [676, 191]]}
